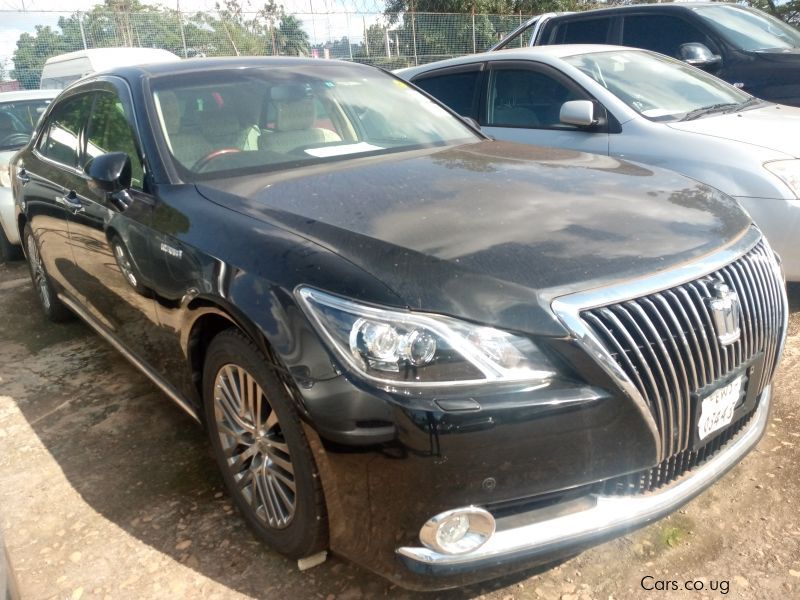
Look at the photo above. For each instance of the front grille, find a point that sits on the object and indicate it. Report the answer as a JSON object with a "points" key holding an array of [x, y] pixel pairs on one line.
{"points": [[667, 345], [672, 467]]}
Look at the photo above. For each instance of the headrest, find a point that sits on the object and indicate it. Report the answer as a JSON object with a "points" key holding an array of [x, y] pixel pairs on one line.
{"points": [[219, 123], [295, 114]]}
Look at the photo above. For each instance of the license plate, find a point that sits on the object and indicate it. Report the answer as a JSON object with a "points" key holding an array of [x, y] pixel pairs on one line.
{"points": [[718, 408]]}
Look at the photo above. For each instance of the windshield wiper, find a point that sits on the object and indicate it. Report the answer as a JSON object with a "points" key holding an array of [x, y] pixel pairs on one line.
{"points": [[748, 103], [705, 110]]}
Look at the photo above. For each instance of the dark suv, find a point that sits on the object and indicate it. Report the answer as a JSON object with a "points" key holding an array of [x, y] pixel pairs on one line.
{"points": [[746, 47], [438, 355]]}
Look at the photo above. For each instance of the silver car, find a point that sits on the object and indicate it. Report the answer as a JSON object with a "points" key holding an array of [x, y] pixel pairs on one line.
{"points": [[19, 113], [641, 106]]}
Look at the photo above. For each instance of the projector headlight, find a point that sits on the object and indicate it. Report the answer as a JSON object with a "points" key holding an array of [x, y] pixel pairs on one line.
{"points": [[404, 348]]}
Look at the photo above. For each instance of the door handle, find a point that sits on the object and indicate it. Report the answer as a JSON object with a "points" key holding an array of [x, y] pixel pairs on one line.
{"points": [[23, 176], [71, 202]]}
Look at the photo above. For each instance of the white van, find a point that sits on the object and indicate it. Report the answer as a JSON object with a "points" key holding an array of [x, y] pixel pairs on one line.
{"points": [[60, 71]]}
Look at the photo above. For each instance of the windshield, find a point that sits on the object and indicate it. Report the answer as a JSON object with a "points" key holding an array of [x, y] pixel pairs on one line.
{"points": [[749, 30], [17, 120], [279, 117], [658, 87]]}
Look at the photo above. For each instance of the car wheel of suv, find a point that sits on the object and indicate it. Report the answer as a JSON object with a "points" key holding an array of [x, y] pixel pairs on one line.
{"points": [[8, 251], [260, 447], [53, 308]]}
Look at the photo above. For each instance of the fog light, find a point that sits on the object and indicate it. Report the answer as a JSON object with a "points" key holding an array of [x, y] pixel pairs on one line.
{"points": [[458, 531]]}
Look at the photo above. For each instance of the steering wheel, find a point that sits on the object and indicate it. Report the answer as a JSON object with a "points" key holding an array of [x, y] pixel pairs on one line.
{"points": [[15, 139], [213, 155]]}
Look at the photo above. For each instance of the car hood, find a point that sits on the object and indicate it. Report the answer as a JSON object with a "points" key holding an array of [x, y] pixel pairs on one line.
{"points": [[490, 230], [766, 126]]}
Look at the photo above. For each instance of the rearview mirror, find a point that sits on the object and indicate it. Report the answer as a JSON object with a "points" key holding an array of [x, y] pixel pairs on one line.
{"points": [[579, 113], [109, 173], [698, 55]]}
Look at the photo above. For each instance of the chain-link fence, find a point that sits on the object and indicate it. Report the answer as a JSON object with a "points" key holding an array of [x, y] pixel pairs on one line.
{"points": [[390, 41]]}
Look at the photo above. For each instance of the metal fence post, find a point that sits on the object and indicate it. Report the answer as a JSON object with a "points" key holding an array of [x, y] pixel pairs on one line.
{"points": [[474, 45], [83, 33], [183, 33], [414, 33]]}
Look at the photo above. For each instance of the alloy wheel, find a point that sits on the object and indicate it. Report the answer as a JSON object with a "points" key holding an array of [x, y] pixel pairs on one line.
{"points": [[125, 264], [38, 272], [255, 450]]}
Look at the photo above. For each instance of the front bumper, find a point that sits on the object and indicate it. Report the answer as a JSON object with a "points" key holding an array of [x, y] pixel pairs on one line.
{"points": [[539, 536], [7, 217]]}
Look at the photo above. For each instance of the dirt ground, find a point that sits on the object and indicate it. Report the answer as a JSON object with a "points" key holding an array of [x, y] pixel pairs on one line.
{"points": [[108, 490]]}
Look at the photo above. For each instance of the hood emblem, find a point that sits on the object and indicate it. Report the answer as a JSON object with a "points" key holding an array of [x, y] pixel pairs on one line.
{"points": [[725, 312]]}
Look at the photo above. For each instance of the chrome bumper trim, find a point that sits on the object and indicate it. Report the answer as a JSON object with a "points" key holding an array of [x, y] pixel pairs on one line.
{"points": [[608, 515]]}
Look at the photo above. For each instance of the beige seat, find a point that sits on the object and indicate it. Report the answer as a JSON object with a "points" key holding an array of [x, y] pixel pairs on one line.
{"points": [[294, 127], [187, 146], [223, 130]]}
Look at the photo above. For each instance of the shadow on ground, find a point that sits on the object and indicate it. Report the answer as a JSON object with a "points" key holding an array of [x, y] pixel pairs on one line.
{"points": [[144, 465]]}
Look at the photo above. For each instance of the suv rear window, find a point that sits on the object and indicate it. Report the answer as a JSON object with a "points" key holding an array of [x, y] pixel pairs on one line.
{"points": [[584, 31]]}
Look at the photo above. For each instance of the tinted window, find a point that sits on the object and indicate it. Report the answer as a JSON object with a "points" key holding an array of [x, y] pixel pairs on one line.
{"points": [[110, 131], [525, 98], [457, 90], [661, 33], [60, 139], [17, 120], [586, 31]]}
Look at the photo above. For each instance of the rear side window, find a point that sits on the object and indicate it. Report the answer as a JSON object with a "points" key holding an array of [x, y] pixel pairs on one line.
{"points": [[584, 31], [456, 90], [661, 33], [60, 140], [110, 131]]}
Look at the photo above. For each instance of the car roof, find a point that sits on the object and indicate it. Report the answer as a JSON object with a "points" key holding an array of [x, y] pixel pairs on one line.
{"points": [[677, 6], [540, 53], [198, 65], [28, 95]]}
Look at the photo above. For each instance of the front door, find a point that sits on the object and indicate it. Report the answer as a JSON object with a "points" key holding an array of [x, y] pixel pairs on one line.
{"points": [[109, 233], [523, 104]]}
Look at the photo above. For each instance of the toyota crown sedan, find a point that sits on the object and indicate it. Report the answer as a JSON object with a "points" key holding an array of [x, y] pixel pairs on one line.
{"points": [[443, 357], [640, 106]]}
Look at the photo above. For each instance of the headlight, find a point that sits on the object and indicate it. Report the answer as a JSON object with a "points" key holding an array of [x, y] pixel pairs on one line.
{"points": [[5, 176], [404, 348], [787, 171]]}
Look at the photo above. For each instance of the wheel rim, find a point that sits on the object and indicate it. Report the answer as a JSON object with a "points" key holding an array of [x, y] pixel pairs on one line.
{"points": [[37, 270], [125, 264], [256, 453]]}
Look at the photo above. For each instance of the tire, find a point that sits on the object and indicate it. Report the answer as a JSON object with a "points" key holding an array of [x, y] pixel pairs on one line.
{"points": [[8, 251], [53, 308], [269, 469]]}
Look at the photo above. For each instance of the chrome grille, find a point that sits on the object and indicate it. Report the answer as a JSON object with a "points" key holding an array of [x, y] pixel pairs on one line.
{"points": [[667, 346]]}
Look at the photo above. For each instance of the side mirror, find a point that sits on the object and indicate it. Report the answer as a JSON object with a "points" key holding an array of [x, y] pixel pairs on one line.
{"points": [[698, 55], [579, 113], [109, 173]]}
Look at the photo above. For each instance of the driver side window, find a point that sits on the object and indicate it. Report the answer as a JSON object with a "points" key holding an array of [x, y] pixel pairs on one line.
{"points": [[526, 98], [110, 131]]}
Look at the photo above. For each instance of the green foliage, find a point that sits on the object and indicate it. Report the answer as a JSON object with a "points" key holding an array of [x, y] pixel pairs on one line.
{"points": [[229, 31]]}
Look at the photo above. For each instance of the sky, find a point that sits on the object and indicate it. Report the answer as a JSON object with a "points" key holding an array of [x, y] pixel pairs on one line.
{"points": [[329, 21]]}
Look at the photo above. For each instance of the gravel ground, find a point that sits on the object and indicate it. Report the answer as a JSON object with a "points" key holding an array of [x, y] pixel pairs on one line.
{"points": [[107, 490]]}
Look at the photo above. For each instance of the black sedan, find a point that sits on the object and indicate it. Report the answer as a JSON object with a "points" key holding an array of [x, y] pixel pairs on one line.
{"points": [[440, 356]]}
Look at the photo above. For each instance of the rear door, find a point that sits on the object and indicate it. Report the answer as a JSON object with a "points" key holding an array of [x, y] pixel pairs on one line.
{"points": [[50, 177], [522, 103]]}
